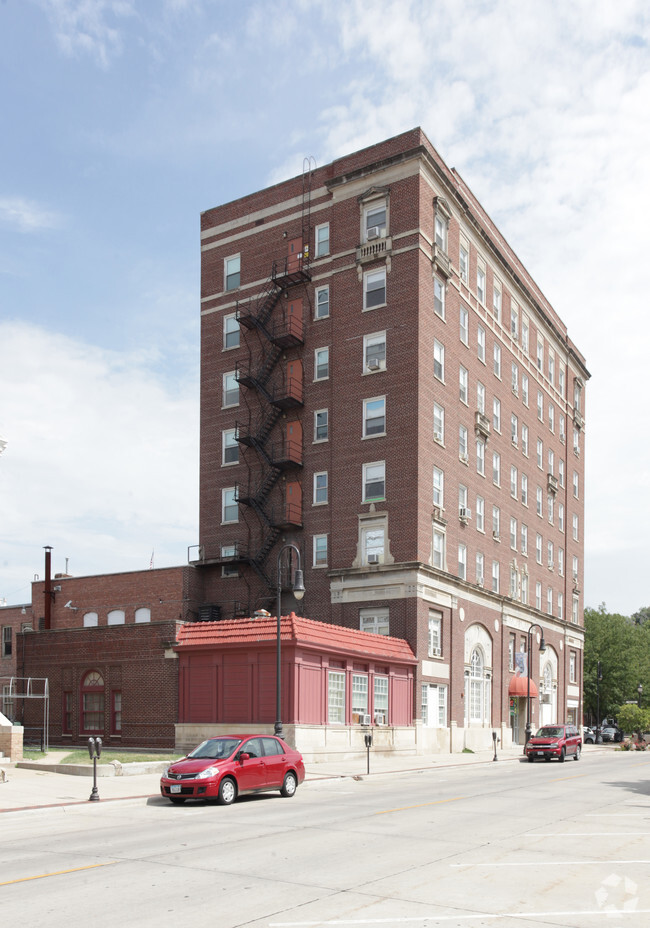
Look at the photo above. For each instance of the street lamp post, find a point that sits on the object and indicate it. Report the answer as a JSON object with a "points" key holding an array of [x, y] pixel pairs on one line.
{"points": [[599, 677], [542, 648], [298, 592], [639, 690]]}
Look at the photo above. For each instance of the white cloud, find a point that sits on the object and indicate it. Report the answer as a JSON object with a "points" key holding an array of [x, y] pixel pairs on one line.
{"points": [[101, 461], [83, 27], [26, 216]]}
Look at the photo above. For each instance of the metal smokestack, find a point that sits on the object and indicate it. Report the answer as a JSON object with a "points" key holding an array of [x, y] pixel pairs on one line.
{"points": [[47, 591]]}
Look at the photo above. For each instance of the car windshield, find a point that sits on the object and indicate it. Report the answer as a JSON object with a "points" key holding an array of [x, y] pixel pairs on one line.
{"points": [[215, 749], [549, 732]]}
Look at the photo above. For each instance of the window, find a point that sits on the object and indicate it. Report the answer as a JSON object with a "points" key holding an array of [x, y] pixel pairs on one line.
{"points": [[524, 539], [320, 488], [435, 633], [440, 231], [335, 697], [463, 261], [322, 240], [230, 332], [575, 526], [549, 601], [374, 482], [374, 620], [525, 330], [538, 548], [572, 667], [577, 394], [560, 561], [463, 383], [230, 394], [524, 440], [143, 614], [512, 641], [438, 360], [464, 326], [496, 468], [496, 301], [514, 380], [480, 398], [66, 720], [496, 522], [576, 483], [229, 447], [381, 700], [115, 617], [513, 533], [513, 582], [438, 297], [478, 696], [480, 282], [322, 307], [438, 487], [438, 423], [514, 320], [539, 500], [229, 569], [496, 414], [540, 453], [321, 425], [540, 354], [359, 696], [561, 379], [560, 605], [538, 595], [480, 568], [374, 352], [375, 222], [524, 389], [480, 457], [480, 338], [462, 444], [560, 472], [550, 500], [320, 551], [480, 514], [92, 702], [321, 363], [514, 430], [575, 605], [550, 560], [116, 712], [495, 576], [462, 499], [229, 507], [497, 360], [513, 482], [91, 620], [434, 705], [560, 516], [524, 489], [231, 272], [438, 549], [6, 641], [374, 285], [524, 588], [374, 417], [373, 539]]}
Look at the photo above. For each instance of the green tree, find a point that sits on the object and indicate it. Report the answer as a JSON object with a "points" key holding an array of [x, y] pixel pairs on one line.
{"points": [[622, 649], [642, 616], [632, 719]]}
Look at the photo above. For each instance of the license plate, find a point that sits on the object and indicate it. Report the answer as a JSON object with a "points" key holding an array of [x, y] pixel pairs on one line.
{"points": [[539, 752], [175, 788]]}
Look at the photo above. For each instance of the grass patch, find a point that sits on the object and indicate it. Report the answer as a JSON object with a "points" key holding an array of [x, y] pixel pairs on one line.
{"points": [[467, 751], [81, 757], [33, 753]]}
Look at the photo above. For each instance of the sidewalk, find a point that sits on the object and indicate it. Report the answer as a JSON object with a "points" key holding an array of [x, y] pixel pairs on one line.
{"points": [[40, 787]]}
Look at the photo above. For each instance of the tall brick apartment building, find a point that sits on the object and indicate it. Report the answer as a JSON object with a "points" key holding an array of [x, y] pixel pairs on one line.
{"points": [[385, 386]]}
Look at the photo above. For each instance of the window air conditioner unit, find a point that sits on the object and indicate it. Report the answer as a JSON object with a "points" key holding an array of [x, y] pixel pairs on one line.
{"points": [[464, 458], [373, 232], [380, 718], [435, 652], [365, 720], [437, 436], [465, 513], [496, 536], [373, 558], [374, 364]]}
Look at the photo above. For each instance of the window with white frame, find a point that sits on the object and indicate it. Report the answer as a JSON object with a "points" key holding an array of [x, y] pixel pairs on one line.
{"points": [[550, 500], [480, 514], [513, 582], [497, 360], [229, 506], [538, 548], [91, 620], [463, 384], [495, 576], [551, 367], [575, 605], [514, 379], [514, 430], [539, 502], [335, 697], [374, 289], [381, 700], [438, 423], [549, 601], [513, 533], [480, 568], [480, 340], [540, 405], [322, 302], [538, 596], [524, 539], [496, 522], [524, 389], [551, 417], [374, 352], [572, 667], [496, 301], [576, 484], [540, 354], [463, 261], [560, 516], [496, 414], [374, 222], [434, 705], [441, 227], [513, 481], [462, 499], [438, 487], [480, 457], [463, 453], [561, 379], [480, 398], [322, 236], [438, 360], [439, 548], [374, 482], [142, 614], [496, 469], [320, 488], [321, 363], [524, 439], [319, 551], [375, 621], [525, 331], [577, 394], [373, 541], [560, 472], [230, 390], [549, 555], [464, 325], [524, 489], [232, 272], [560, 561], [359, 697], [540, 453], [574, 520], [230, 331], [524, 587], [480, 282], [560, 605], [438, 297], [514, 320], [374, 417], [435, 633], [229, 447], [321, 425]]}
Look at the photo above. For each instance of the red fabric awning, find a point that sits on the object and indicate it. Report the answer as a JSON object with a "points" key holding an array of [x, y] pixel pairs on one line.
{"points": [[519, 687]]}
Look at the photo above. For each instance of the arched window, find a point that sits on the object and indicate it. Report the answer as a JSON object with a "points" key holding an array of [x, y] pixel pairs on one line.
{"points": [[92, 702], [143, 614], [115, 617]]}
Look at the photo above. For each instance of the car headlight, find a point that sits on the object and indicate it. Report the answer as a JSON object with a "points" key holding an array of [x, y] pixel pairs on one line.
{"points": [[554, 745], [165, 772], [208, 772]]}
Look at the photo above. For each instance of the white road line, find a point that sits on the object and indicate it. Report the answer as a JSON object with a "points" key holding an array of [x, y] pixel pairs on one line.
{"points": [[586, 834], [419, 919], [555, 863]]}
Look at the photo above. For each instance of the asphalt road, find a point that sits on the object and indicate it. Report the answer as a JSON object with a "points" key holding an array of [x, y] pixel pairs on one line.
{"points": [[508, 844]]}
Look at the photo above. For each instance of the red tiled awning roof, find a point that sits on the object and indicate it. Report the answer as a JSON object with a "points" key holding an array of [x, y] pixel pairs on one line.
{"points": [[297, 630], [519, 687]]}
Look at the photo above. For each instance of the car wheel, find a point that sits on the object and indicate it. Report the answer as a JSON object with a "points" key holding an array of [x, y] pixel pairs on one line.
{"points": [[176, 800], [227, 792], [530, 758], [576, 756], [289, 786], [562, 756]]}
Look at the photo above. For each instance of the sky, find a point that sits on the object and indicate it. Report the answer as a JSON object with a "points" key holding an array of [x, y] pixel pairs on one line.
{"points": [[121, 120]]}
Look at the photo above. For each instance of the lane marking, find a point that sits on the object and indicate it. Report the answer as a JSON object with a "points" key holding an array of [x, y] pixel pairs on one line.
{"points": [[435, 802], [42, 876], [410, 920], [586, 834], [555, 863], [578, 776]]}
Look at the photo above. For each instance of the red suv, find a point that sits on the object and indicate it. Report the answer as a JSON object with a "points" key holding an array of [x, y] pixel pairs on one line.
{"points": [[558, 741]]}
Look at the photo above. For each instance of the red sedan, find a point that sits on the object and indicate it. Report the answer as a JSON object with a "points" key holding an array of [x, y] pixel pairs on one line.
{"points": [[226, 767]]}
